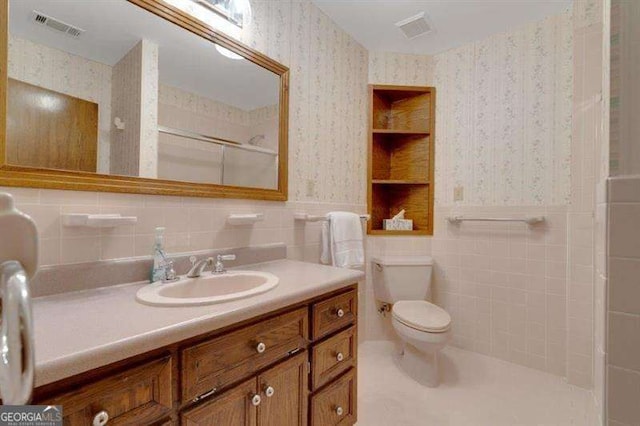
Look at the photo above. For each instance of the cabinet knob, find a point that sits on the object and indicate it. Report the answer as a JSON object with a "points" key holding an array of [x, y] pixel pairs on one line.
{"points": [[101, 418], [269, 391], [340, 313], [256, 400], [339, 411], [261, 347], [340, 357]]}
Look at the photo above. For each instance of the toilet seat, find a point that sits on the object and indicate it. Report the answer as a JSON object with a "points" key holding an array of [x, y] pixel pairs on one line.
{"points": [[421, 315]]}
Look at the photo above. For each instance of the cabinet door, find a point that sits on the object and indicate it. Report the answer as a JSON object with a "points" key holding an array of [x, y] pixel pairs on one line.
{"points": [[284, 393], [234, 407]]}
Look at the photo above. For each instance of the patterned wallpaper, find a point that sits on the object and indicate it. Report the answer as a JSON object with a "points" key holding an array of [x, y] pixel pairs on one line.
{"points": [[204, 106], [134, 150], [625, 88], [193, 161], [69, 74], [149, 110], [503, 113], [126, 99]]}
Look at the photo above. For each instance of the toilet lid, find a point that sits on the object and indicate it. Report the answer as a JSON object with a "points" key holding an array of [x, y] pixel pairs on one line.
{"points": [[421, 315]]}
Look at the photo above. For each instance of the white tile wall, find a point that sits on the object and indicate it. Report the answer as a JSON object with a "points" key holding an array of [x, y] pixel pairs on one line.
{"points": [[503, 284], [191, 224], [623, 350]]}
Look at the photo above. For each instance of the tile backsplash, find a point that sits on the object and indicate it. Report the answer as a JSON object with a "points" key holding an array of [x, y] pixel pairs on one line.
{"points": [[192, 224], [623, 310]]}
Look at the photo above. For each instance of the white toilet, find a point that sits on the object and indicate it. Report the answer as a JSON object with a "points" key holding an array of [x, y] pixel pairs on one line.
{"points": [[423, 327]]}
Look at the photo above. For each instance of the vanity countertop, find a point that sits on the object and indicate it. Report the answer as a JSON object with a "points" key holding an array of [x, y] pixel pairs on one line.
{"points": [[79, 331]]}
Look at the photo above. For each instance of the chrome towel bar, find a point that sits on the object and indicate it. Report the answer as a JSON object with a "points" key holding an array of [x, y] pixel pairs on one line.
{"points": [[529, 220]]}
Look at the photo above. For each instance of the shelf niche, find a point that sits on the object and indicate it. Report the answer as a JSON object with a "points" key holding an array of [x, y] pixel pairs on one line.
{"points": [[401, 149], [400, 157], [401, 109]]}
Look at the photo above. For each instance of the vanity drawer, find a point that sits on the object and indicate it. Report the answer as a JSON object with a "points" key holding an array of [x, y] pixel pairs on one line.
{"points": [[140, 395], [336, 404], [333, 357], [333, 314], [233, 356]]}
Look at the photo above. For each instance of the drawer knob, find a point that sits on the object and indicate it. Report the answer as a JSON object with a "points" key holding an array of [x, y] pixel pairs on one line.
{"points": [[261, 347], [340, 357], [340, 313], [101, 418], [256, 400], [269, 391], [339, 411]]}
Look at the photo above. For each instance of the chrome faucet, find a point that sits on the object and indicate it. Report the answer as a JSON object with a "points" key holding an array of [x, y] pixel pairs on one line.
{"points": [[197, 266], [219, 268]]}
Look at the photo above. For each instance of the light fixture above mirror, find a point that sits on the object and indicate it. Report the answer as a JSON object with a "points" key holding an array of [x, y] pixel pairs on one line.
{"points": [[236, 11]]}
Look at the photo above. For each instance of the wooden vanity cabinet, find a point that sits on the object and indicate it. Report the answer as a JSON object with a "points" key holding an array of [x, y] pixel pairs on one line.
{"points": [[219, 362], [290, 368], [276, 397]]}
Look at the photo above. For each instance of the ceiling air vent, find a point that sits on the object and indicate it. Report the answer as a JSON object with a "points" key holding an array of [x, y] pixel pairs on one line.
{"points": [[415, 26], [56, 24]]}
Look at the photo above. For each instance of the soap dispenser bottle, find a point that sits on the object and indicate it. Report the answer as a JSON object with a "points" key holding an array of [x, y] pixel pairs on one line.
{"points": [[160, 262]]}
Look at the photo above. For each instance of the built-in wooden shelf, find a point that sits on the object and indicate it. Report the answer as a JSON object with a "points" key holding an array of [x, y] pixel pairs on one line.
{"points": [[398, 182], [401, 157], [405, 233], [399, 132]]}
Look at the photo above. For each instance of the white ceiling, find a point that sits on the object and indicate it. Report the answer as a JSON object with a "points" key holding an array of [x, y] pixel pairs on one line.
{"points": [[113, 27], [456, 22]]}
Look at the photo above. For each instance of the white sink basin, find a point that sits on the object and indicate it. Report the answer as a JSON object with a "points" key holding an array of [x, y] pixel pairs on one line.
{"points": [[207, 289]]}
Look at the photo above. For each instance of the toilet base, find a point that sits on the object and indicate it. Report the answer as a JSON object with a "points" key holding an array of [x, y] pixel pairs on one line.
{"points": [[420, 366]]}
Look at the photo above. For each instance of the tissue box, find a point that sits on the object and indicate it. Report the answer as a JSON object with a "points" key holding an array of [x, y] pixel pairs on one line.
{"points": [[397, 225]]}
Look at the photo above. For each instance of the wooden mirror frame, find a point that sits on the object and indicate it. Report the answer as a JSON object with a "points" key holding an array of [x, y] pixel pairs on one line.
{"points": [[11, 175]]}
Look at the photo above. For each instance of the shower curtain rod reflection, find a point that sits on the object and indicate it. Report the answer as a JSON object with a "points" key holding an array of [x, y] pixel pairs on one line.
{"points": [[218, 141]]}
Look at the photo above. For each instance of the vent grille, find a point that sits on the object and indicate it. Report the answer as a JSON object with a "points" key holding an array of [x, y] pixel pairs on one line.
{"points": [[414, 26], [56, 24]]}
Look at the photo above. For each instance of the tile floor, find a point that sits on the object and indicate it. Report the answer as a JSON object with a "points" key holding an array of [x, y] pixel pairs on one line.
{"points": [[476, 390]]}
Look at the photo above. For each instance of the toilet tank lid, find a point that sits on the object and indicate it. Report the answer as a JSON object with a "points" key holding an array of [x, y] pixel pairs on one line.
{"points": [[403, 260]]}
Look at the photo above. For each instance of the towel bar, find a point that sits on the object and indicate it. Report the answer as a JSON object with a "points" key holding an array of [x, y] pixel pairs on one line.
{"points": [[317, 218]]}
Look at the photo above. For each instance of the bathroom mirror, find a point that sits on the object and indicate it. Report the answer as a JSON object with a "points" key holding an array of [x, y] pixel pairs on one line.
{"points": [[138, 96]]}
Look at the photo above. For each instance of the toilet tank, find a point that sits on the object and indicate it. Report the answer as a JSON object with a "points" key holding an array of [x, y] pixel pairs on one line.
{"points": [[398, 278]]}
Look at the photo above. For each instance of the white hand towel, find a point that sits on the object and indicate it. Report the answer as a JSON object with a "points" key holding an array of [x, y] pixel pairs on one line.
{"points": [[342, 241]]}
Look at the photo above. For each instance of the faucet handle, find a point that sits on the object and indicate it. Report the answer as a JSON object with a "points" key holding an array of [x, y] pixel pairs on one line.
{"points": [[226, 257], [193, 260], [169, 272]]}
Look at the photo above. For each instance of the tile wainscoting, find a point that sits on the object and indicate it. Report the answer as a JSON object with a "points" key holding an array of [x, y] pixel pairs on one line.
{"points": [[504, 284], [623, 322], [192, 224]]}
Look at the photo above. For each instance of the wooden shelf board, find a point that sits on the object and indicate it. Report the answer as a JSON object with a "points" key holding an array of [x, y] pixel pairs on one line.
{"points": [[394, 93], [383, 232], [399, 182], [398, 132]]}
